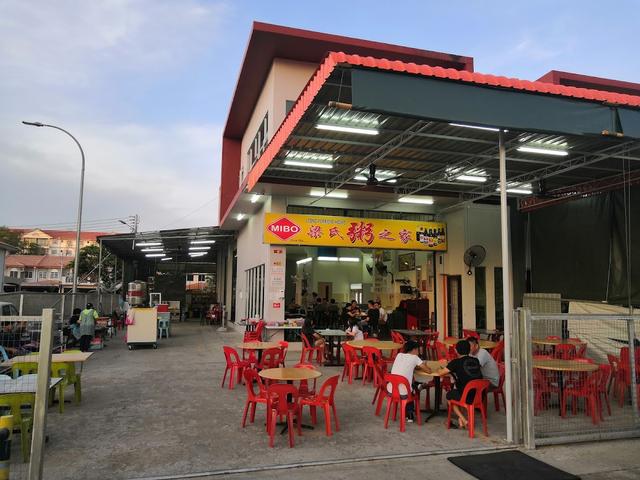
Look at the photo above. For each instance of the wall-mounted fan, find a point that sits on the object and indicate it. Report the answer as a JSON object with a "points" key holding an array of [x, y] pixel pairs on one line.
{"points": [[369, 269], [474, 256]]}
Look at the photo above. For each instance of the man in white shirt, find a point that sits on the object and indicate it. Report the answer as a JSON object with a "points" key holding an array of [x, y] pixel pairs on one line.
{"points": [[488, 365], [405, 364]]}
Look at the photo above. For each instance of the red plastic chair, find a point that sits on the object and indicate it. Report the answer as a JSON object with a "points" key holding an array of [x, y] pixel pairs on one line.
{"points": [[441, 351], [603, 388], [479, 390], [498, 352], [284, 347], [254, 335], [271, 358], [470, 333], [372, 356], [308, 352], [352, 362], [394, 400], [378, 383], [303, 389], [397, 337], [253, 397], [613, 379], [325, 400], [499, 390], [234, 364], [543, 388], [565, 351], [431, 339], [587, 390], [282, 401]]}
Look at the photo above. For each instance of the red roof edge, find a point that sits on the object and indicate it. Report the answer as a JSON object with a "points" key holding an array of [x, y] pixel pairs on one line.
{"points": [[569, 79]]}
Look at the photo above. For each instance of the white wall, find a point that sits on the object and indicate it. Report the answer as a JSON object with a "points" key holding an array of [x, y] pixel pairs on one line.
{"points": [[471, 225]]}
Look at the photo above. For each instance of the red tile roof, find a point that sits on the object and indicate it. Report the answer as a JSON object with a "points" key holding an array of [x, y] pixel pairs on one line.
{"points": [[333, 59], [64, 234], [37, 261]]}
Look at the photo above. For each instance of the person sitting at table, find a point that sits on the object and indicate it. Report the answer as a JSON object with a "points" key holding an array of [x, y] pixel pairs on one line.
{"points": [[11, 340], [73, 337], [405, 363], [309, 332], [488, 365], [354, 332], [463, 369], [87, 321]]}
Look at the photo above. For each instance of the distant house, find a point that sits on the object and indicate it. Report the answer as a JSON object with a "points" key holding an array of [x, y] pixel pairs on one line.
{"points": [[39, 271], [5, 250], [57, 242]]}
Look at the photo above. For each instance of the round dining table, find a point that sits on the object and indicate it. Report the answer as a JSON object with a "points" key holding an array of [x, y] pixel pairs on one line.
{"points": [[557, 341], [486, 344], [289, 374], [259, 347], [435, 375], [562, 366], [379, 344]]}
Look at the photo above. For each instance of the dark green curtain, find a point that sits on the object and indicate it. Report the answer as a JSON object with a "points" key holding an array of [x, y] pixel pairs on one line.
{"points": [[579, 248]]}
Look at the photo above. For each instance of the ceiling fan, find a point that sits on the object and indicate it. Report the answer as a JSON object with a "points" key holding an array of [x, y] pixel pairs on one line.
{"points": [[372, 180]]}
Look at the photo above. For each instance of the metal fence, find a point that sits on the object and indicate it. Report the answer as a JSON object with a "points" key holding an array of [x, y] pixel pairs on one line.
{"points": [[577, 376], [25, 388], [32, 303]]}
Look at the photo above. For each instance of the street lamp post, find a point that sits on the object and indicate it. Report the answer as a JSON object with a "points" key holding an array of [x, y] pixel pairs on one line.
{"points": [[77, 259]]}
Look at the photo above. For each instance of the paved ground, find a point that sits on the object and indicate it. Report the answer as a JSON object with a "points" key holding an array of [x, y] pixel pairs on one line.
{"points": [[162, 413]]}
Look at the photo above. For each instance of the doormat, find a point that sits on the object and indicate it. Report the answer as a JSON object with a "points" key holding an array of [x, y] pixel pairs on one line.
{"points": [[507, 466]]}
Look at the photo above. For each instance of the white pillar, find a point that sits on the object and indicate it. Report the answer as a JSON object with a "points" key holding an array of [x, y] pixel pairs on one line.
{"points": [[506, 282]]}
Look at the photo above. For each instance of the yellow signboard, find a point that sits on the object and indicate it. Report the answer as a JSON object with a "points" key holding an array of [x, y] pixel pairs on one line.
{"points": [[327, 231]]}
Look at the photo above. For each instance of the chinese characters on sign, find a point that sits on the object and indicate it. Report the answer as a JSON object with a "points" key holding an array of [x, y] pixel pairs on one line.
{"points": [[320, 230]]}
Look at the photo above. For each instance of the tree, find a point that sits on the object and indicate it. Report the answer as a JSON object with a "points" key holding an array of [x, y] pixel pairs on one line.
{"points": [[11, 237], [32, 249], [88, 265]]}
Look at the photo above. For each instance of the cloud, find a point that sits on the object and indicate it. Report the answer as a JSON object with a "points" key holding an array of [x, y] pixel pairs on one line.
{"points": [[97, 69]]}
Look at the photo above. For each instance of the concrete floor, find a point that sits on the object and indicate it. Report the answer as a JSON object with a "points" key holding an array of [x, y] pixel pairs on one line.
{"points": [[161, 413]]}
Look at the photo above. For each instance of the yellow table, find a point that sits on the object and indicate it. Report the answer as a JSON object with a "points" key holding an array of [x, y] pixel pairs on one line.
{"points": [[79, 357], [486, 344], [258, 345], [556, 341], [558, 365], [381, 345], [436, 374], [289, 374]]}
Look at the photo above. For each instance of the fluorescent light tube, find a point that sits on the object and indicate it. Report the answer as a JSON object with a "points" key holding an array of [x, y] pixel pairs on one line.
{"points": [[166, 258], [304, 260], [327, 259], [154, 255], [340, 128], [240, 216], [349, 259], [334, 194], [297, 163], [197, 254], [202, 242], [148, 244], [416, 200], [199, 248], [255, 197], [471, 178], [152, 250], [524, 189], [477, 127], [543, 151]]}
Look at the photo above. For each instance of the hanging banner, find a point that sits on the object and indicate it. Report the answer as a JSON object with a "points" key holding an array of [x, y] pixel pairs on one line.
{"points": [[328, 231]]}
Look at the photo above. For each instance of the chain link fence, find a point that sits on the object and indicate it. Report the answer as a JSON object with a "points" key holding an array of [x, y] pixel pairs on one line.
{"points": [[581, 376], [32, 303]]}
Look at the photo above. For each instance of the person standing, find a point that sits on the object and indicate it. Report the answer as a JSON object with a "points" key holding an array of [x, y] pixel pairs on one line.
{"points": [[87, 322], [373, 317]]}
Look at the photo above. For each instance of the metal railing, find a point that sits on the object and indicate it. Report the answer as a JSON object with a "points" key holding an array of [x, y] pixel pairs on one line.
{"points": [[576, 377]]}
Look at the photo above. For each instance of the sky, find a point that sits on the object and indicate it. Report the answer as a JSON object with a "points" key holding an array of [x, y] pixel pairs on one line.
{"points": [[145, 86]]}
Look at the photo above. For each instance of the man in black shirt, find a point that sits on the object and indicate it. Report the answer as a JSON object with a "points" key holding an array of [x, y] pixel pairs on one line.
{"points": [[373, 318], [463, 369]]}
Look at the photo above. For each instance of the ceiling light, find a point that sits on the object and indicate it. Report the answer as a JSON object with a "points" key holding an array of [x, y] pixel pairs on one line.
{"points": [[304, 260], [240, 216], [166, 258], [523, 189], [340, 128], [417, 200], [296, 163], [152, 250], [349, 259], [543, 151], [154, 255], [202, 242], [327, 259], [199, 248], [333, 194], [255, 197], [197, 254], [477, 127], [148, 244], [471, 178]]}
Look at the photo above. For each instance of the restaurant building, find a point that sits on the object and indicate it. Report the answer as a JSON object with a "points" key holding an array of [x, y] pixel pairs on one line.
{"points": [[359, 170]]}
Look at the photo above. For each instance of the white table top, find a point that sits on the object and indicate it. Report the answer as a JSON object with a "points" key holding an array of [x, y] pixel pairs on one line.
{"points": [[23, 384]]}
